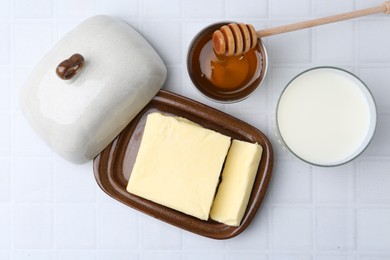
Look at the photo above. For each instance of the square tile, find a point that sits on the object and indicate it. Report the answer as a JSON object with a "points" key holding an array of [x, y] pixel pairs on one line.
{"points": [[380, 144], [32, 255], [117, 255], [256, 103], [5, 180], [360, 4], [335, 43], [26, 142], [161, 256], [33, 227], [247, 256], [33, 180], [5, 234], [64, 28], [291, 228], [76, 255], [5, 255], [174, 82], [335, 257], [331, 7], [5, 7], [121, 8], [335, 229], [255, 236], [103, 198], [286, 8], [290, 48], [5, 40], [374, 182], [202, 9], [195, 242], [291, 257], [74, 183], [154, 233], [204, 256], [247, 9], [166, 41], [335, 185], [19, 77], [292, 183], [374, 229], [375, 257], [33, 9], [74, 10], [117, 227], [152, 9], [6, 133], [190, 30], [5, 92], [371, 32], [75, 227], [377, 80], [39, 38]]}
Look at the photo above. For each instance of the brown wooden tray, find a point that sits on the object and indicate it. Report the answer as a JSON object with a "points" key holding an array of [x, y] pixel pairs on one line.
{"points": [[112, 167]]}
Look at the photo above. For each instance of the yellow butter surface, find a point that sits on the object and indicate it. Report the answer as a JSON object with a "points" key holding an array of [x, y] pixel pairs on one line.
{"points": [[238, 177], [178, 164]]}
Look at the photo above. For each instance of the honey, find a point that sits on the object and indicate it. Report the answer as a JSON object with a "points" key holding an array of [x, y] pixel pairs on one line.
{"points": [[223, 78]]}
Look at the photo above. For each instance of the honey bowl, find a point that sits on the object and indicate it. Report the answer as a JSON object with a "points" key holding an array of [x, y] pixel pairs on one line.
{"points": [[220, 78]]}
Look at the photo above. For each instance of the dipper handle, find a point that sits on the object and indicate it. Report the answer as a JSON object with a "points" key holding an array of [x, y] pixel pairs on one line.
{"points": [[383, 8], [236, 39]]}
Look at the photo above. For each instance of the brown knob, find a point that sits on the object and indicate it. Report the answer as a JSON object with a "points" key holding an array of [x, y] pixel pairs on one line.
{"points": [[70, 67]]}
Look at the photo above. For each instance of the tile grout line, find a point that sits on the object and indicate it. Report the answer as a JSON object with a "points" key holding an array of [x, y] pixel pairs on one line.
{"points": [[13, 137], [54, 199], [356, 181], [313, 58], [95, 205], [272, 128], [355, 166], [184, 54], [314, 210]]}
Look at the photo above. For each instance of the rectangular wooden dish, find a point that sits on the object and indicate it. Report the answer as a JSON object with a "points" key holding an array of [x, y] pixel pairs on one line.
{"points": [[113, 166]]}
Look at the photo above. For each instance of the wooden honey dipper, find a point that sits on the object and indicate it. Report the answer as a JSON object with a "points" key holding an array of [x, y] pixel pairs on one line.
{"points": [[236, 39]]}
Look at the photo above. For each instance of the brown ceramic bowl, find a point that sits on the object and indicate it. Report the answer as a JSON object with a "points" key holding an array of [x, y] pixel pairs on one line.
{"points": [[113, 166], [200, 48]]}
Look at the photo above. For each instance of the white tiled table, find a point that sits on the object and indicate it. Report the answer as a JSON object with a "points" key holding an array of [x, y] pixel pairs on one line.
{"points": [[51, 209]]}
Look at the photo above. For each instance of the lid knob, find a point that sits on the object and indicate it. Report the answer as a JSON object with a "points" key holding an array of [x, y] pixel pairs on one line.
{"points": [[70, 67]]}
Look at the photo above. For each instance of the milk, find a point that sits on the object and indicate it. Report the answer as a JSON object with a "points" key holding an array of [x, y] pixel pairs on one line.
{"points": [[326, 116]]}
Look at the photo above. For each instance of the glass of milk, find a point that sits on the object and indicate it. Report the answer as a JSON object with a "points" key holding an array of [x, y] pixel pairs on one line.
{"points": [[326, 116]]}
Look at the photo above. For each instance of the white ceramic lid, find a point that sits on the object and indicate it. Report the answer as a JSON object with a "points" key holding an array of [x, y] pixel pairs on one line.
{"points": [[79, 117]]}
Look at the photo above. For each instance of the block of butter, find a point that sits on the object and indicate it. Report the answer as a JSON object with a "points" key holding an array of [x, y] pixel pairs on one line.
{"points": [[237, 180], [178, 164]]}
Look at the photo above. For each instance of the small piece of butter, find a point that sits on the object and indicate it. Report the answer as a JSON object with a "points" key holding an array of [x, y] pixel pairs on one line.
{"points": [[178, 164], [237, 180]]}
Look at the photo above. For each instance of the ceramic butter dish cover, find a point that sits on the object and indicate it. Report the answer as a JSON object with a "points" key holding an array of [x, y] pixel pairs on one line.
{"points": [[92, 83]]}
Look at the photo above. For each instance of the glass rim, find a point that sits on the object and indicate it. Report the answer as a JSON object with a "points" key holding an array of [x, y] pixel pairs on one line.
{"points": [[372, 109]]}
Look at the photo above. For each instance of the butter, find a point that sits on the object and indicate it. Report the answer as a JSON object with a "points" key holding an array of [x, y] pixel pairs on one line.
{"points": [[238, 177], [178, 164]]}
